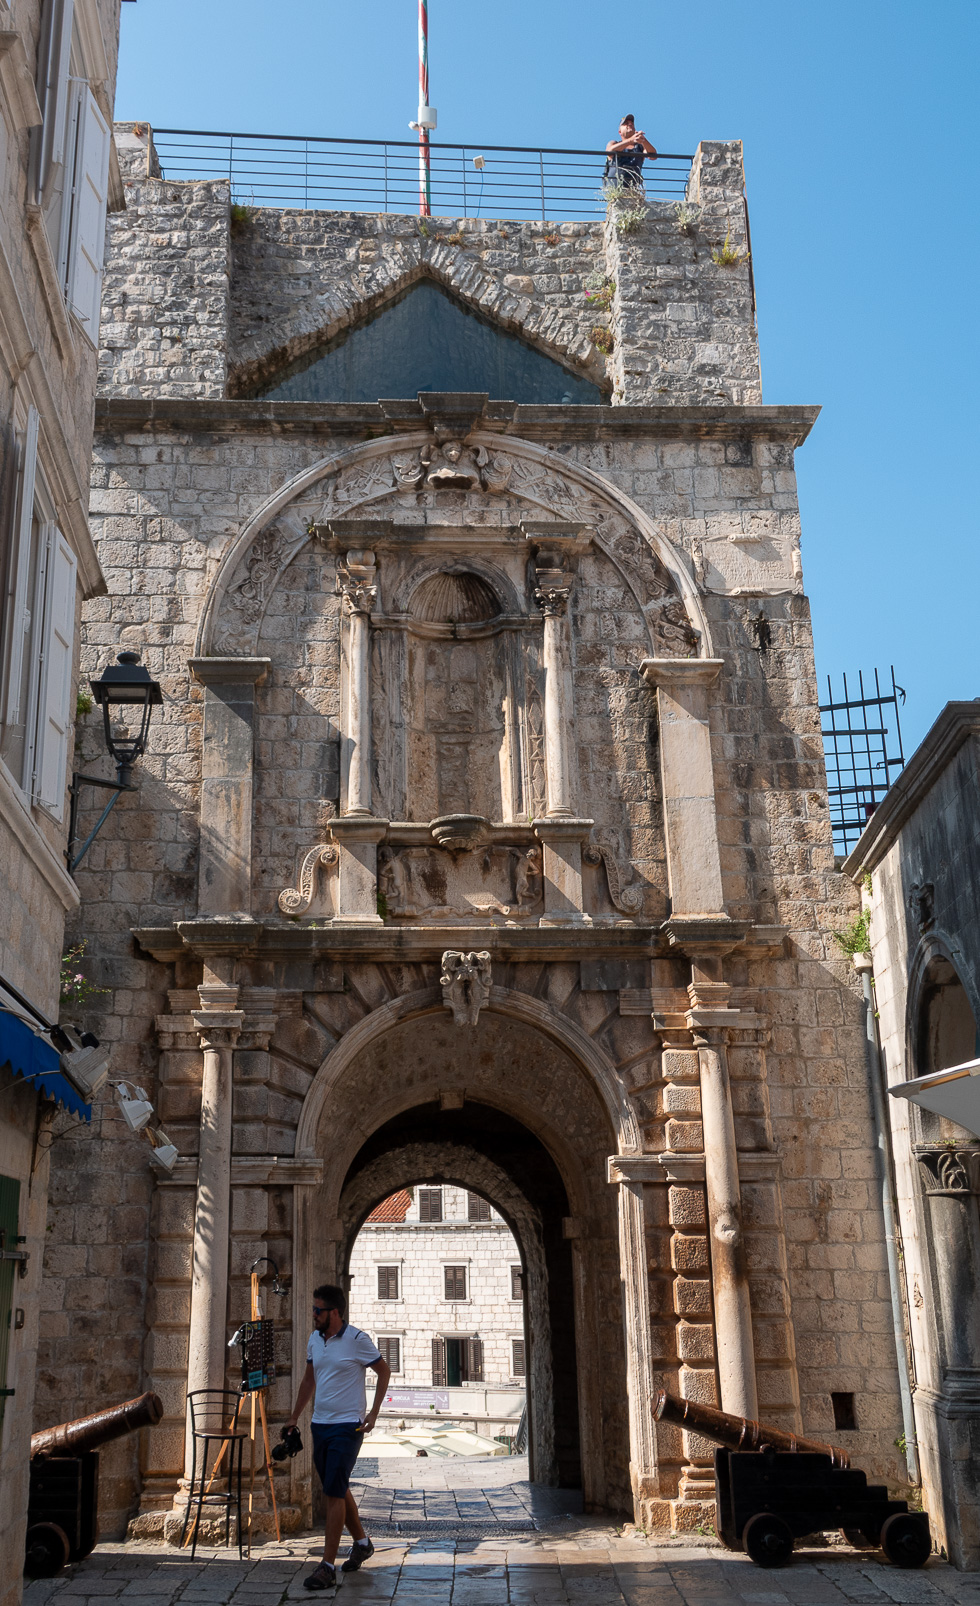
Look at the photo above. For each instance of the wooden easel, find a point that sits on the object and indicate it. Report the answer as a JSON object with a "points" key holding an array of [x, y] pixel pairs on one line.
{"points": [[260, 1395], [256, 1315]]}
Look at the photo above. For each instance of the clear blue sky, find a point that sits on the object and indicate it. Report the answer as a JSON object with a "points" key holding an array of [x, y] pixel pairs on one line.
{"points": [[862, 177]]}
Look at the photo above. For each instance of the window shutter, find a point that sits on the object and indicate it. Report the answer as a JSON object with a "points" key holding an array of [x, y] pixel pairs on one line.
{"points": [[430, 1204], [516, 1282], [438, 1363], [518, 1362], [20, 603], [474, 1360], [86, 243], [52, 85], [477, 1209], [54, 702]]}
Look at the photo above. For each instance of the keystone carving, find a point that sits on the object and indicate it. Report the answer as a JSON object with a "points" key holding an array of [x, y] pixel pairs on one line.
{"points": [[451, 465], [296, 900], [949, 1173], [922, 898], [465, 983]]}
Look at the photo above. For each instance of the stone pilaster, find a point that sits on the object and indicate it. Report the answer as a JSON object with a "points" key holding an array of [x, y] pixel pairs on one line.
{"points": [[224, 873], [687, 776]]}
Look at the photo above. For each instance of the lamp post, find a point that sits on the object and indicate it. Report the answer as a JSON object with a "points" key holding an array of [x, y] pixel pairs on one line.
{"points": [[124, 686]]}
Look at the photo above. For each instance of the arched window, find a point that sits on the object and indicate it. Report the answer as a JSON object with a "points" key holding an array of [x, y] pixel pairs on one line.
{"points": [[428, 341], [945, 1035]]}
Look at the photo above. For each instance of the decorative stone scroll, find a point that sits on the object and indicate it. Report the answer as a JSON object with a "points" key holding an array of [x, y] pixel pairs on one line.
{"points": [[465, 983], [297, 900], [625, 894]]}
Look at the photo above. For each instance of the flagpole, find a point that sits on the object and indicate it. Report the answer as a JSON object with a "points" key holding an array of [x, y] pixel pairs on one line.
{"points": [[425, 185]]}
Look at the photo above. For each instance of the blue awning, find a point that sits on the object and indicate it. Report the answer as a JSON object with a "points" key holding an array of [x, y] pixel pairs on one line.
{"points": [[30, 1055]]}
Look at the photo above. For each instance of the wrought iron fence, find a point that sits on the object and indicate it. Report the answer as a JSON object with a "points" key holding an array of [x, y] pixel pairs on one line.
{"points": [[371, 175], [863, 753]]}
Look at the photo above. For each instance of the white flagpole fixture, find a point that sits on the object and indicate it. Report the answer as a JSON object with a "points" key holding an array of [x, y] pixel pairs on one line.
{"points": [[427, 116], [954, 1093]]}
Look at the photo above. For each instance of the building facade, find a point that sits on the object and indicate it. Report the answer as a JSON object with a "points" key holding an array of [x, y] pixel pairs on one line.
{"points": [[484, 836], [436, 1279], [920, 859], [57, 78]]}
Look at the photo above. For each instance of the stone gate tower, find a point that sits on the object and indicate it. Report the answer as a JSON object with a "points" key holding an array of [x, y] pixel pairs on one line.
{"points": [[484, 838]]}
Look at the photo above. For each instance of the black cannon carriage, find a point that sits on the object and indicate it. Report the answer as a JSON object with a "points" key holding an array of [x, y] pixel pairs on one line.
{"points": [[63, 1506], [772, 1488]]}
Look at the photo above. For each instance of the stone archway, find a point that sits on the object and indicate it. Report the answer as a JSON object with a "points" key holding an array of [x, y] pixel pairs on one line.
{"points": [[408, 1070], [460, 1163]]}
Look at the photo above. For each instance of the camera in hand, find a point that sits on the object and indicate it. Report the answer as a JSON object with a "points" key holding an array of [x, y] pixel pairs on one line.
{"points": [[292, 1444]]}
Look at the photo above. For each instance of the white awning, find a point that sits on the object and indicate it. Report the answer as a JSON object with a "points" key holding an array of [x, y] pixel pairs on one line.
{"points": [[954, 1093]]}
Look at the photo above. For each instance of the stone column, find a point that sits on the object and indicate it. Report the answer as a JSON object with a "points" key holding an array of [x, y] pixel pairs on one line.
{"points": [[218, 1023], [357, 833], [630, 1172], [734, 1345], [224, 875], [551, 595], [360, 593], [690, 823]]}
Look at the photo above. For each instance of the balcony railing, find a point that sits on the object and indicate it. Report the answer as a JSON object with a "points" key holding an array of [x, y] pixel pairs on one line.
{"points": [[373, 175]]}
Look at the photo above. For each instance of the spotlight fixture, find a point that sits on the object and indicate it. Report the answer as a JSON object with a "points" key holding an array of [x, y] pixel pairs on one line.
{"points": [[164, 1153], [135, 1105], [84, 1061]]}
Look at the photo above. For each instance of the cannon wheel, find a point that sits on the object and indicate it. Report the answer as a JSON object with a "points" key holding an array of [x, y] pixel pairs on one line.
{"points": [[859, 1540], [905, 1540], [47, 1550], [768, 1540]]}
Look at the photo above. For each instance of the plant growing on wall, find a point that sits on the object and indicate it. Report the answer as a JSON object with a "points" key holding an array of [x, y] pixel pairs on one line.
{"points": [[629, 219], [855, 938], [240, 218], [602, 338], [688, 217], [76, 988], [599, 291], [726, 256]]}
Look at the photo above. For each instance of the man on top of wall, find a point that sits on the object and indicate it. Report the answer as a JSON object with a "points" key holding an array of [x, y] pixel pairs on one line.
{"points": [[626, 155], [337, 1357]]}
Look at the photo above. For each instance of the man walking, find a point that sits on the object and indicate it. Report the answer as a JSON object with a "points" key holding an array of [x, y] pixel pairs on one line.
{"points": [[337, 1358]]}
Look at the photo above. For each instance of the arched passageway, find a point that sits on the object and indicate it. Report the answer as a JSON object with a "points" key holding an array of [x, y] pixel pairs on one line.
{"points": [[506, 1110]]}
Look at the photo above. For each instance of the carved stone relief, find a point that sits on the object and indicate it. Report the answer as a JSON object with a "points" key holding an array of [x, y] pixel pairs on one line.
{"points": [[422, 883], [465, 983]]}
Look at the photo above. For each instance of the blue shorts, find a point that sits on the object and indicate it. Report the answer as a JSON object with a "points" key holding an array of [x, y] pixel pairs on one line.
{"points": [[336, 1446]]}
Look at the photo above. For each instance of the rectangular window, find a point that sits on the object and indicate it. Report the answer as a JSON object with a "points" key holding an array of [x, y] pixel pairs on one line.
{"points": [[518, 1364], [516, 1283], [477, 1209], [387, 1282], [455, 1282], [38, 636], [391, 1351], [84, 217], [430, 1204]]}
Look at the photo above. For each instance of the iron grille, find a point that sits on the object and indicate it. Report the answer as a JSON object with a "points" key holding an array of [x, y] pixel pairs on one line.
{"points": [[862, 743]]}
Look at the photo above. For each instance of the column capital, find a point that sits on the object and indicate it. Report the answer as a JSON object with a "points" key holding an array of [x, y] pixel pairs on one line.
{"points": [[355, 581], [229, 671], [218, 1028], [712, 1026], [670, 672], [552, 600]]}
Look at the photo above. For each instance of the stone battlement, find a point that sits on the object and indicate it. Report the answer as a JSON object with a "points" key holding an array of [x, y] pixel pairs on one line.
{"points": [[197, 303]]}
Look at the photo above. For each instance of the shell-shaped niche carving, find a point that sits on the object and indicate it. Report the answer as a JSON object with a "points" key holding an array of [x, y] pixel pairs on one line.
{"points": [[459, 598]]}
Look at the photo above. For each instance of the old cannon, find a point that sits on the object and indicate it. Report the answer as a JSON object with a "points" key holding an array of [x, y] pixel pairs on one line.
{"points": [[772, 1488], [63, 1507]]}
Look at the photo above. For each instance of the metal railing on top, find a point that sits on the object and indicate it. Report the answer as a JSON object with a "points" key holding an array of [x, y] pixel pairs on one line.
{"points": [[864, 754], [373, 175]]}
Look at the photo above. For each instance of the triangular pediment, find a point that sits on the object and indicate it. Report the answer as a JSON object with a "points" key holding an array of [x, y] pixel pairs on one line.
{"points": [[427, 340]]}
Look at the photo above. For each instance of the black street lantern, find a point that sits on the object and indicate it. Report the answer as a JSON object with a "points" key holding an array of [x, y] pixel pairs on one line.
{"points": [[124, 688]]}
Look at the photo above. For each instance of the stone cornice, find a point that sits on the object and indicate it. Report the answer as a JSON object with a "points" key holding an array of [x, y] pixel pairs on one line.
{"points": [[791, 425], [955, 725], [215, 671]]}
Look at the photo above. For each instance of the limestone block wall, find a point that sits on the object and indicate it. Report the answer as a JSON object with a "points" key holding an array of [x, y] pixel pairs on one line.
{"points": [[191, 308], [421, 1312]]}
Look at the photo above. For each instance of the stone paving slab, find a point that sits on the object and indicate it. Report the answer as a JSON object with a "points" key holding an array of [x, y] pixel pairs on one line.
{"points": [[579, 1562]]}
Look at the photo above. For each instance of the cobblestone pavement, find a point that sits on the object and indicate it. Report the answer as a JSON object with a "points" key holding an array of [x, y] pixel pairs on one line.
{"points": [[567, 1561]]}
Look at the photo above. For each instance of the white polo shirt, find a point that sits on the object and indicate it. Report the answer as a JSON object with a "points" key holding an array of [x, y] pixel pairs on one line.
{"points": [[338, 1365]]}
